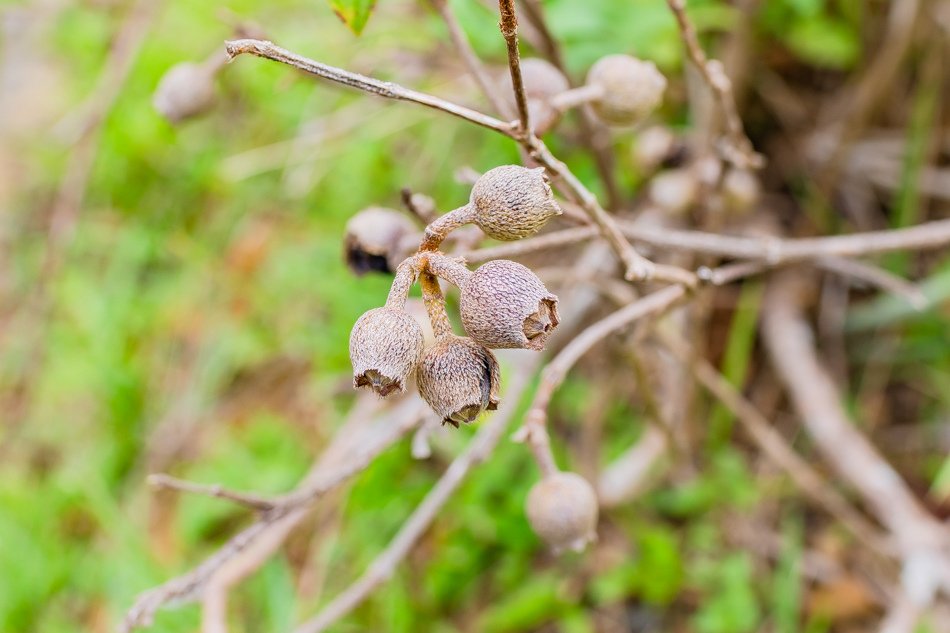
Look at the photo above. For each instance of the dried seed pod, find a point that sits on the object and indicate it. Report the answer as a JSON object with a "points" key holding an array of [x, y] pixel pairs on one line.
{"points": [[505, 305], [511, 202], [376, 240], [386, 344], [185, 91], [459, 379], [562, 510], [542, 82], [741, 190], [674, 190], [655, 146], [630, 88]]}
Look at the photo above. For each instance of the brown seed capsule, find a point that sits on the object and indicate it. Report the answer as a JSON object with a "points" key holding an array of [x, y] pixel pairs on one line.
{"points": [[185, 91], [674, 190], [741, 190], [505, 305], [630, 89], [562, 510], [459, 379], [386, 344], [376, 240], [511, 202], [542, 82]]}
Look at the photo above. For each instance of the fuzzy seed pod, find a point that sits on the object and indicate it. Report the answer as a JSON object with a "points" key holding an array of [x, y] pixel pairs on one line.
{"points": [[674, 190], [386, 344], [512, 202], [376, 240], [630, 89], [542, 82], [185, 91], [459, 379], [505, 305], [562, 510]]}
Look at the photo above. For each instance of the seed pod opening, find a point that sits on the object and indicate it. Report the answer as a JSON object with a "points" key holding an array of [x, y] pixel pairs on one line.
{"points": [[512, 202], [185, 91], [562, 510], [376, 240], [459, 379], [542, 82], [630, 89], [386, 344], [505, 305]]}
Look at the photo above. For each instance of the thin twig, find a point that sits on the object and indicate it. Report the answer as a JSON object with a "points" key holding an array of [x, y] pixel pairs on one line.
{"points": [[773, 250], [253, 501], [739, 152], [508, 23], [875, 276], [389, 90], [471, 60]]}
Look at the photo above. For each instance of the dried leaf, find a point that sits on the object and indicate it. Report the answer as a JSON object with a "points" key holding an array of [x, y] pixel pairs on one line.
{"points": [[354, 13]]}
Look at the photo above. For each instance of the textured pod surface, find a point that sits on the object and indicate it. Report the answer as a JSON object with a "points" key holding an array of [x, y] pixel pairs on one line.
{"points": [[376, 240], [542, 82], [185, 91], [505, 305], [511, 202], [386, 345], [562, 510], [459, 379], [632, 88]]}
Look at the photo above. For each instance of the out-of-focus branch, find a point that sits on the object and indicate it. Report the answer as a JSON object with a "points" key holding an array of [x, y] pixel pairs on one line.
{"points": [[253, 501], [352, 450], [774, 446], [921, 540], [739, 149]]}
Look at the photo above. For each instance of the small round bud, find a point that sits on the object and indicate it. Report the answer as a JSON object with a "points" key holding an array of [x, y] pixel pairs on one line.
{"points": [[459, 379], [185, 91], [741, 190], [375, 240], [386, 344], [653, 147], [505, 305], [542, 82], [562, 510], [674, 190], [512, 202], [631, 89]]}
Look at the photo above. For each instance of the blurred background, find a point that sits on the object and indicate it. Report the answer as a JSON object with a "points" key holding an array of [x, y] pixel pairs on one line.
{"points": [[173, 298]]}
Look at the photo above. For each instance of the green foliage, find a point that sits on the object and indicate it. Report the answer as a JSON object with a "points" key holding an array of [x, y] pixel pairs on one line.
{"points": [[354, 13]]}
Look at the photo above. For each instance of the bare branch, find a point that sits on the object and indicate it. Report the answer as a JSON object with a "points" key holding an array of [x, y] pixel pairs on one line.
{"points": [[508, 23], [739, 152], [774, 251], [471, 61], [256, 502], [389, 90], [349, 454], [774, 446], [875, 276]]}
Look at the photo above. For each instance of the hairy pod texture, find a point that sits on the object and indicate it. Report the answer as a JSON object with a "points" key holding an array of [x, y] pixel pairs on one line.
{"points": [[375, 240], [505, 305], [562, 509], [512, 202], [631, 89], [386, 345], [459, 379], [185, 91], [542, 82]]}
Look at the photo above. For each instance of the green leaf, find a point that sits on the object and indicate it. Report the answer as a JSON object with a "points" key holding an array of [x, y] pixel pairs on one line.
{"points": [[354, 13], [825, 41]]}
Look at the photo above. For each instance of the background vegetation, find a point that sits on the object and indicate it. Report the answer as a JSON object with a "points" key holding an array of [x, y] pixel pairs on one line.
{"points": [[195, 322]]}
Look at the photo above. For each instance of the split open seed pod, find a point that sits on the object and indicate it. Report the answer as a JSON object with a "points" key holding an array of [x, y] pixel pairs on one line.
{"points": [[459, 379], [386, 345]]}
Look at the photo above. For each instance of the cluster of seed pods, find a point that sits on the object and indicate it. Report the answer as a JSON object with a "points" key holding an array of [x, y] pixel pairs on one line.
{"points": [[503, 304]]}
